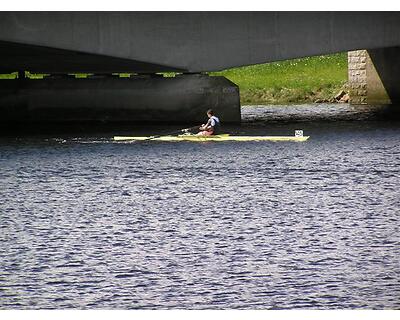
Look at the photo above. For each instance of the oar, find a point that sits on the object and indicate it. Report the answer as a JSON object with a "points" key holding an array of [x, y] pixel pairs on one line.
{"points": [[167, 134]]}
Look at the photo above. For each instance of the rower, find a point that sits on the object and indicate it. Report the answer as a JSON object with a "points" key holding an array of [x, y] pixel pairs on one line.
{"points": [[212, 127]]}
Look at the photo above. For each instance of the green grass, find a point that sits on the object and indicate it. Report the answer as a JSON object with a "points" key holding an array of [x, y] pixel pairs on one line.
{"points": [[13, 75], [29, 75], [302, 80]]}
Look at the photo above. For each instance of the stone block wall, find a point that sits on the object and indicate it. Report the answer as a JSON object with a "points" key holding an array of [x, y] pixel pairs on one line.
{"points": [[357, 68]]}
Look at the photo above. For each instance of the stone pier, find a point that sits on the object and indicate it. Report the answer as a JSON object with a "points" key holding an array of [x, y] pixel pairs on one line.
{"points": [[149, 99], [374, 76]]}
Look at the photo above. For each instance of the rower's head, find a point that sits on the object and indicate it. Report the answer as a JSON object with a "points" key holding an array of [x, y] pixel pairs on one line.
{"points": [[210, 113]]}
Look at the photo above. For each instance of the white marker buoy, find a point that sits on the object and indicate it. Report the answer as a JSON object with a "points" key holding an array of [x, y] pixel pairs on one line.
{"points": [[298, 133]]}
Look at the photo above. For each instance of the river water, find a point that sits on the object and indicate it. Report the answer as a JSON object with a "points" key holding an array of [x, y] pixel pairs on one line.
{"points": [[87, 223]]}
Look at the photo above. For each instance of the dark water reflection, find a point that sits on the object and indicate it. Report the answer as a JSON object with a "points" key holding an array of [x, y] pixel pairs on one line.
{"points": [[318, 112], [87, 223]]}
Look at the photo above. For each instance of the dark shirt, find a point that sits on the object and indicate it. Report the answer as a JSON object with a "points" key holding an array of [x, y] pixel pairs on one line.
{"points": [[215, 124]]}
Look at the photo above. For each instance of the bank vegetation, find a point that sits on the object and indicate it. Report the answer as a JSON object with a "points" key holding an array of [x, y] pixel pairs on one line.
{"points": [[305, 80]]}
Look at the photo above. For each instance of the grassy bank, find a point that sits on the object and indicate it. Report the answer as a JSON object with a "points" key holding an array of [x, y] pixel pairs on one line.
{"points": [[303, 80]]}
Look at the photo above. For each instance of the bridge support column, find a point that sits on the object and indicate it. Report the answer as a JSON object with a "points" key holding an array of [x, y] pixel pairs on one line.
{"points": [[374, 76], [141, 99]]}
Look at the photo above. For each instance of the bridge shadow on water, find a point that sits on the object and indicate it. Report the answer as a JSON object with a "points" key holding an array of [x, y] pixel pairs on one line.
{"points": [[256, 120]]}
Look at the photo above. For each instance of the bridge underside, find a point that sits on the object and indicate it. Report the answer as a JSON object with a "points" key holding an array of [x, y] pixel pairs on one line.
{"points": [[38, 59], [195, 41], [184, 42]]}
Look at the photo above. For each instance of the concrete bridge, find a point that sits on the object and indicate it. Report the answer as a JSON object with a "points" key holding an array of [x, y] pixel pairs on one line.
{"points": [[190, 43]]}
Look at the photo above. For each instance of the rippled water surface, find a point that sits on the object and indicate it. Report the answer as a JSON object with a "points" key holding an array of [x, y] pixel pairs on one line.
{"points": [[88, 223]]}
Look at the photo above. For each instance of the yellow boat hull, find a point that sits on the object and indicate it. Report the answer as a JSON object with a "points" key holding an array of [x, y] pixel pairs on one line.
{"points": [[219, 138]]}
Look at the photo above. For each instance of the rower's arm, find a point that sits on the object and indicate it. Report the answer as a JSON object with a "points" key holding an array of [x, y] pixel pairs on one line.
{"points": [[207, 125]]}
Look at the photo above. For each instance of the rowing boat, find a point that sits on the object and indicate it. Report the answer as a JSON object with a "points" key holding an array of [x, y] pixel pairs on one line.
{"points": [[220, 137]]}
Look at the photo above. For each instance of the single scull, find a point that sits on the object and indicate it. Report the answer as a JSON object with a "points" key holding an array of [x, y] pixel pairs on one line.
{"points": [[219, 138]]}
